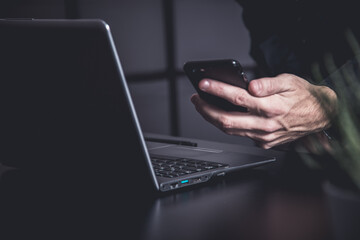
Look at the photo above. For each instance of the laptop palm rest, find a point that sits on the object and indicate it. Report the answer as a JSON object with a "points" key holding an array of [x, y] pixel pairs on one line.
{"points": [[182, 151], [216, 155]]}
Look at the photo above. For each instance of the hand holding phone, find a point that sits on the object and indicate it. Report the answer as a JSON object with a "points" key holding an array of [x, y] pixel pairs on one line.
{"points": [[227, 70]]}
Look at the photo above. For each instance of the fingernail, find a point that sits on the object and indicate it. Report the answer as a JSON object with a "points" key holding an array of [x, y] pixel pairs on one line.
{"points": [[204, 85], [193, 99]]}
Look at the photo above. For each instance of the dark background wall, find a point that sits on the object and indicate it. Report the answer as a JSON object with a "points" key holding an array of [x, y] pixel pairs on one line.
{"points": [[201, 29]]}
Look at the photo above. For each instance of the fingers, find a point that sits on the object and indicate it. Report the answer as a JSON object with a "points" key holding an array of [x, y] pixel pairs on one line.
{"points": [[268, 86], [277, 142], [266, 140], [264, 131], [206, 110], [281, 109], [232, 94], [229, 121]]}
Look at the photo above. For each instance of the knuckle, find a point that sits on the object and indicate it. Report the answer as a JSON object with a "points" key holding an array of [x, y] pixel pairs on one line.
{"points": [[264, 110], [247, 134], [243, 134], [266, 146], [261, 145], [229, 132], [239, 99], [218, 89], [291, 78], [270, 127], [270, 85], [268, 138], [225, 123], [287, 75], [275, 111]]}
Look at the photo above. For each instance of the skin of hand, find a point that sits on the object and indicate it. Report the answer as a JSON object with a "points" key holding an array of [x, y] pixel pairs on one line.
{"points": [[281, 109]]}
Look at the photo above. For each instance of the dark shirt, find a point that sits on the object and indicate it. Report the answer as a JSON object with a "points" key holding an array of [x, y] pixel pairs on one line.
{"points": [[290, 36]]}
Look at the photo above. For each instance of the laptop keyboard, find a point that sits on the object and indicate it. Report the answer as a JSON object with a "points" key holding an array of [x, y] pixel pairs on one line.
{"points": [[176, 167]]}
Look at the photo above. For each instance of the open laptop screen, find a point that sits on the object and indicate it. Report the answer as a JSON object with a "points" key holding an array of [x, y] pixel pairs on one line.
{"points": [[64, 98]]}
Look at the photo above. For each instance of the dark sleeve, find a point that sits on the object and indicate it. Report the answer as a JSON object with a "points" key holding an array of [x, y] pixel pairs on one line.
{"points": [[341, 79]]}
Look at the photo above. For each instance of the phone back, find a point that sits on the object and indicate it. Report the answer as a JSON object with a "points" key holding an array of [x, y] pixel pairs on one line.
{"points": [[228, 70]]}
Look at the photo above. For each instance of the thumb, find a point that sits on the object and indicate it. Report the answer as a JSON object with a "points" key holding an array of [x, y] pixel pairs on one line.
{"points": [[263, 87]]}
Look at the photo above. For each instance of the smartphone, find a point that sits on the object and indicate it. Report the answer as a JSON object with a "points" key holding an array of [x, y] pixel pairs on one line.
{"points": [[226, 70]]}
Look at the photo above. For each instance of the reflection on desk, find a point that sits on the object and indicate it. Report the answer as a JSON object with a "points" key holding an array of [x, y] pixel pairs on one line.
{"points": [[279, 201], [251, 206]]}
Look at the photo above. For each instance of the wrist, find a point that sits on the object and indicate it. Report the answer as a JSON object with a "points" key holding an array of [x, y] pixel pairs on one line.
{"points": [[328, 101]]}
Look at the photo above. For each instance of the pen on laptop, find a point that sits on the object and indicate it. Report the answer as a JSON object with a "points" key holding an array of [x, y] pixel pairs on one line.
{"points": [[169, 141]]}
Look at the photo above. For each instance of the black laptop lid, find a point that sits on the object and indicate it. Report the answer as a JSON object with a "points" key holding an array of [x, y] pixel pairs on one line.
{"points": [[65, 102]]}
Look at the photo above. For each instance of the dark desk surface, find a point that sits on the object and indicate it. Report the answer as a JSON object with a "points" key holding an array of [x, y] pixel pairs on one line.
{"points": [[283, 200]]}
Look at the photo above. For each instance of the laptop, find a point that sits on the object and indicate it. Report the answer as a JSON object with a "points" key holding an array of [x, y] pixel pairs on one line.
{"points": [[67, 103]]}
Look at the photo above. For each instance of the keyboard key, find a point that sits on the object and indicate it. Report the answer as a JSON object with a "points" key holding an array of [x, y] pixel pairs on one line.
{"points": [[175, 167]]}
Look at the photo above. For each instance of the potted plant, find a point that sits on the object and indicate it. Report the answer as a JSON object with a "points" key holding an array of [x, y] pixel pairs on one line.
{"points": [[340, 157]]}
